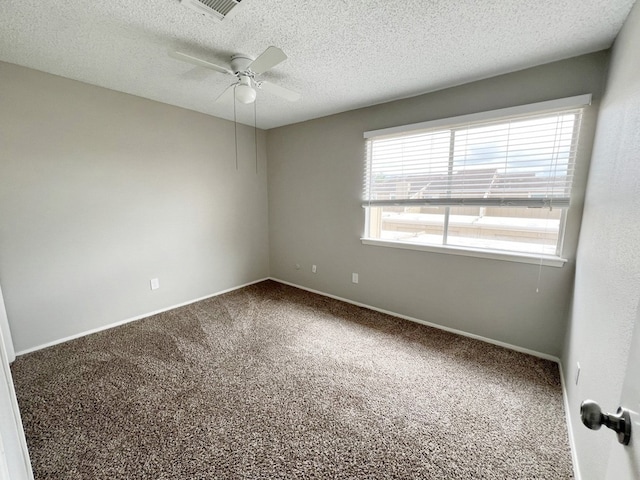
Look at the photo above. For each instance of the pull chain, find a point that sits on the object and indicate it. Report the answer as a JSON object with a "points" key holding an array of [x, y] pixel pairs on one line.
{"points": [[235, 124], [255, 130]]}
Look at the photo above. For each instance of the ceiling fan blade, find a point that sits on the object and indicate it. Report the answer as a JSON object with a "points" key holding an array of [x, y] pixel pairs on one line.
{"points": [[226, 95], [271, 57], [280, 91], [201, 63]]}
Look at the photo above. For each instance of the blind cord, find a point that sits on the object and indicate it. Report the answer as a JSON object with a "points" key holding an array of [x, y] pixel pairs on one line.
{"points": [[555, 156]]}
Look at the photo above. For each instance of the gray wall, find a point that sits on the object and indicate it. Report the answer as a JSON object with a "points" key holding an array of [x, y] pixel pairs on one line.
{"points": [[315, 184], [102, 191], [607, 287]]}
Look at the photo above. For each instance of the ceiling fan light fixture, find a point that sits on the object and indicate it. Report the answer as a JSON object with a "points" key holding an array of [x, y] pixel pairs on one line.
{"points": [[244, 92]]}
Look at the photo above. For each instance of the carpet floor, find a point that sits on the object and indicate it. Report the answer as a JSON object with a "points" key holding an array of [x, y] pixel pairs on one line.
{"points": [[270, 381]]}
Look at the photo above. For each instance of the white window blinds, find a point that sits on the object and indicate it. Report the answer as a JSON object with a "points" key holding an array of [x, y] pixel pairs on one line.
{"points": [[526, 160]]}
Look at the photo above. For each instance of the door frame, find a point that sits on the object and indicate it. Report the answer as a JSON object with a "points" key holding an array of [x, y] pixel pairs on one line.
{"points": [[12, 440]]}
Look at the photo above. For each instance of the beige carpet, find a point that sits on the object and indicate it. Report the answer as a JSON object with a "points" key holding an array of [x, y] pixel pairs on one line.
{"points": [[274, 382]]}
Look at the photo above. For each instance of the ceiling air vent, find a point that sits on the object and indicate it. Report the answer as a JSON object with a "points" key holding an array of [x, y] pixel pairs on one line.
{"points": [[217, 10]]}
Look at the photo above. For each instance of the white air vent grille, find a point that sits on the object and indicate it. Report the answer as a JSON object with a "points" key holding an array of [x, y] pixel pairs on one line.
{"points": [[214, 9]]}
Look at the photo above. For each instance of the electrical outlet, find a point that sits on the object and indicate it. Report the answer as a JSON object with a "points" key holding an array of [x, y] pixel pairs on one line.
{"points": [[354, 277], [314, 268], [577, 372], [155, 284]]}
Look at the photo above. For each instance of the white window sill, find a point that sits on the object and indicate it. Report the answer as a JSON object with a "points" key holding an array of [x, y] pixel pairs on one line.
{"points": [[546, 260]]}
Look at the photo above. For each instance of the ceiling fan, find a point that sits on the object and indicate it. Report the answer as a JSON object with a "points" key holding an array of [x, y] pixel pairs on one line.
{"points": [[246, 69]]}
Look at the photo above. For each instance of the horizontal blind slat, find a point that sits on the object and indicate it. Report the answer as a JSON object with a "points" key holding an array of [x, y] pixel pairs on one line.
{"points": [[524, 158], [561, 202]]}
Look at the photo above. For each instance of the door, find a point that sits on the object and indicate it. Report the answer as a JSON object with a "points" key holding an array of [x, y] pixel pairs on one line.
{"points": [[6, 333], [14, 456], [624, 461]]}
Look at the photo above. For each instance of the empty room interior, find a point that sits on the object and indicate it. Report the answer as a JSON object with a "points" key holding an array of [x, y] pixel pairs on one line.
{"points": [[278, 239]]}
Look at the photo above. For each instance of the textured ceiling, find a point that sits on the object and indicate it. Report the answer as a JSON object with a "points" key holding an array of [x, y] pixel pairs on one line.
{"points": [[342, 54]]}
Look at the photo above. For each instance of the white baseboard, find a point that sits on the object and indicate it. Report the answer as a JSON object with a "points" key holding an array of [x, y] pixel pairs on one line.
{"points": [[342, 299], [544, 356], [567, 416], [133, 319]]}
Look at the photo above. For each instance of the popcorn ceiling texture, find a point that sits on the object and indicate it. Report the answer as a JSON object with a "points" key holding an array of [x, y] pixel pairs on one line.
{"points": [[343, 54], [274, 382]]}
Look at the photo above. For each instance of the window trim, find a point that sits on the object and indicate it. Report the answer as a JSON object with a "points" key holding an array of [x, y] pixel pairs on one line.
{"points": [[578, 101], [575, 102], [530, 258]]}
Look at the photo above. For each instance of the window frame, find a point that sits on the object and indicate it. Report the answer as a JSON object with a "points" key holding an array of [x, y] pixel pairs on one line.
{"points": [[460, 122]]}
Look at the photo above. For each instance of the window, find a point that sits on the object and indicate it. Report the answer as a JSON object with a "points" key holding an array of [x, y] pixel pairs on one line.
{"points": [[493, 182]]}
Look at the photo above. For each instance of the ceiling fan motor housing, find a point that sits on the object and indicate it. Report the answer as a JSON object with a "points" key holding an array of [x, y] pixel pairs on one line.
{"points": [[240, 63]]}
